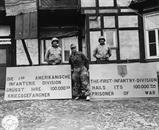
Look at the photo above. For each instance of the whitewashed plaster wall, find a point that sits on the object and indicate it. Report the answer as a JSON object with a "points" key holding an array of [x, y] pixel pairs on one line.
{"points": [[32, 45]]}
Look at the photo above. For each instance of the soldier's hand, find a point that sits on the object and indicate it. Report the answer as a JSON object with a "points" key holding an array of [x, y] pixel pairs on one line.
{"points": [[106, 56]]}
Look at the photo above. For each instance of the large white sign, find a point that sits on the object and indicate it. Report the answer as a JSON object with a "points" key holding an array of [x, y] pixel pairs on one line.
{"points": [[38, 82], [123, 80]]}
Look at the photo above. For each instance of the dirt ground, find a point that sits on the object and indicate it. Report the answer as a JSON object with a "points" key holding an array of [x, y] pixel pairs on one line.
{"points": [[134, 114]]}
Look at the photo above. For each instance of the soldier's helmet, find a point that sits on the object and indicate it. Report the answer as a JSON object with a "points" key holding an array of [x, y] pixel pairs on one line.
{"points": [[72, 46], [101, 38], [54, 39]]}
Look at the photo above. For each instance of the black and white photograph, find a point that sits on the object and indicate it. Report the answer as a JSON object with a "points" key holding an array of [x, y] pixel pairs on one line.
{"points": [[79, 64]]}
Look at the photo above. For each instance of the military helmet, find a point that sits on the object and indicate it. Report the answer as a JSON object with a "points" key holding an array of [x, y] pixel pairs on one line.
{"points": [[54, 39], [101, 38], [72, 46]]}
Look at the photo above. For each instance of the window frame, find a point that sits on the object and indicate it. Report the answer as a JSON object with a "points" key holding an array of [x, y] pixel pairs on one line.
{"points": [[148, 44], [44, 47], [116, 28], [102, 27], [146, 34]]}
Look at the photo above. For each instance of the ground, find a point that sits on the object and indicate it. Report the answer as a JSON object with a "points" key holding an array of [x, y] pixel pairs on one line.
{"points": [[132, 114]]}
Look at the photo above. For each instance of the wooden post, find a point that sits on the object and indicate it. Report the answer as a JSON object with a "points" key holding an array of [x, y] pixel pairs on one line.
{"points": [[27, 52], [141, 38]]}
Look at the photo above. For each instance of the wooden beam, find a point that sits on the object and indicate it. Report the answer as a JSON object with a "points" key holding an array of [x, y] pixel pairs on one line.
{"points": [[141, 39], [27, 52], [118, 39], [39, 51], [88, 38]]}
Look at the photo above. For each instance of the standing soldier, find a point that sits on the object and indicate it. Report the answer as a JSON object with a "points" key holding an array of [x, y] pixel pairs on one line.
{"points": [[80, 77], [102, 51], [53, 54]]}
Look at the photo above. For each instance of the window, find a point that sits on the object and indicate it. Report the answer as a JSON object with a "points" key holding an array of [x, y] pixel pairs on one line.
{"points": [[88, 3], [107, 28], [123, 2], [128, 21], [129, 45], [4, 30], [128, 37], [121, 32], [95, 22], [64, 44], [109, 21], [44, 45], [5, 45], [113, 54], [111, 37], [94, 35], [66, 51], [106, 3], [152, 35], [152, 43]]}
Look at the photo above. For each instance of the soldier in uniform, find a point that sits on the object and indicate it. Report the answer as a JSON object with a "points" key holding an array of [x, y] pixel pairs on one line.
{"points": [[53, 54], [102, 51], [80, 77]]}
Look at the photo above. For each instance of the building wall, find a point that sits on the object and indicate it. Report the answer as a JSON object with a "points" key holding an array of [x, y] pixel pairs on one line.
{"points": [[118, 23], [110, 18], [32, 46]]}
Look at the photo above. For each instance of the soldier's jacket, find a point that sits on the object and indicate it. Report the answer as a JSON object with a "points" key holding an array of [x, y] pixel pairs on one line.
{"points": [[78, 60], [53, 55], [102, 52]]}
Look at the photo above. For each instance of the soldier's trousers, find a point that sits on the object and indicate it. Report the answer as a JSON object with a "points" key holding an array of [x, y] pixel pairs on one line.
{"points": [[80, 82]]}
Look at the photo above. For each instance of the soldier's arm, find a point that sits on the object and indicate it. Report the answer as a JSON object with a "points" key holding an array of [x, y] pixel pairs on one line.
{"points": [[86, 61], [46, 58], [109, 52], [70, 62], [94, 53]]}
